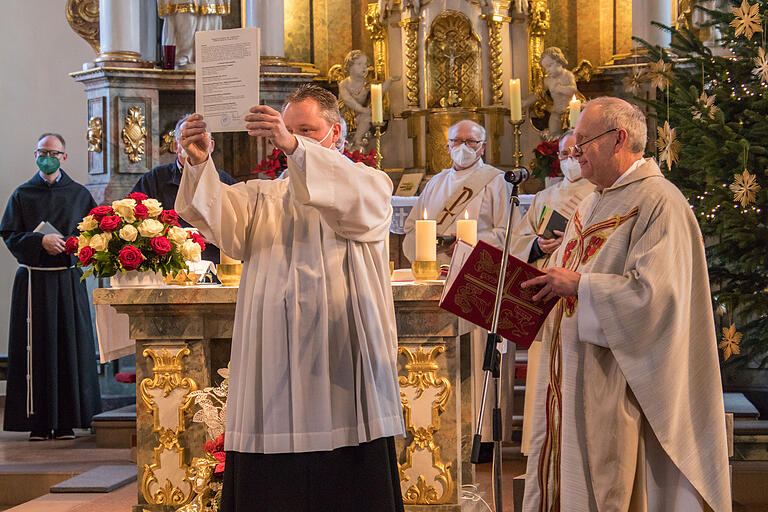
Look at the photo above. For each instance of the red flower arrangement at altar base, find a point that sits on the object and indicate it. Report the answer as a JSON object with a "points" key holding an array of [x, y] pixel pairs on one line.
{"points": [[277, 162], [546, 163], [134, 233]]}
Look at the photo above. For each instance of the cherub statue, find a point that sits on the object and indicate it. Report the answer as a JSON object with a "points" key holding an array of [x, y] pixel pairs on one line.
{"points": [[354, 91], [182, 18], [560, 83]]}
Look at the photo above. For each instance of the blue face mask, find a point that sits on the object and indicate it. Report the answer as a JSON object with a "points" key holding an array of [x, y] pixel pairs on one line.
{"points": [[48, 164]]}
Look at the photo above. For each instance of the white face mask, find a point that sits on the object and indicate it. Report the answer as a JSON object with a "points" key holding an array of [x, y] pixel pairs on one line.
{"points": [[463, 156], [330, 130], [571, 169]]}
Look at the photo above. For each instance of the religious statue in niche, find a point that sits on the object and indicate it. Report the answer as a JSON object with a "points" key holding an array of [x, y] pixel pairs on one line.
{"points": [[559, 86], [182, 18], [354, 92]]}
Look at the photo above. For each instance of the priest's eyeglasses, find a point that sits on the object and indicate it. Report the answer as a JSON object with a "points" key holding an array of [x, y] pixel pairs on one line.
{"points": [[578, 149], [49, 152], [471, 143]]}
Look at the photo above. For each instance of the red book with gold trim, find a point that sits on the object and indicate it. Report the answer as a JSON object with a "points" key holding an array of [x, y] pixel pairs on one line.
{"points": [[470, 292]]}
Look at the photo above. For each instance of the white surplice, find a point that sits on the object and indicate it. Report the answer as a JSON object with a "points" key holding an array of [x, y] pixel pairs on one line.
{"points": [[629, 408], [314, 341], [490, 208]]}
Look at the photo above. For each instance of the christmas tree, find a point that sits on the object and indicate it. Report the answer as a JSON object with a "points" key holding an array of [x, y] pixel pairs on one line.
{"points": [[712, 115]]}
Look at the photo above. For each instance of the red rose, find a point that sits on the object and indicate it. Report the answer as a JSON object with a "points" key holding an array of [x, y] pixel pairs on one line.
{"points": [[86, 255], [130, 257], [70, 246], [137, 196], [169, 217], [199, 240], [161, 245], [101, 211], [110, 223], [140, 211]]}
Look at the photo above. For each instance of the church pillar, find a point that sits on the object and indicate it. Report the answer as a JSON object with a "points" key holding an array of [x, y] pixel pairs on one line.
{"points": [[119, 33], [646, 11], [269, 17]]}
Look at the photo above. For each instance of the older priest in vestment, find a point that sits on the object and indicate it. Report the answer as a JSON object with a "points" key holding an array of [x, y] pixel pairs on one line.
{"points": [[629, 407], [314, 402]]}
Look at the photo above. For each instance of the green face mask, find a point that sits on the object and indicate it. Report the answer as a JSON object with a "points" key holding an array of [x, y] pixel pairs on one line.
{"points": [[48, 164]]}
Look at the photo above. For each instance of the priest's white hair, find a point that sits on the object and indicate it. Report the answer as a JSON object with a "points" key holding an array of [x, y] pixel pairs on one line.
{"points": [[617, 113], [564, 136], [455, 127]]}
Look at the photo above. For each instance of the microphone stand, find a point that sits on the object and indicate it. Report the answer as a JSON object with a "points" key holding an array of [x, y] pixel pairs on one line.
{"points": [[492, 358]]}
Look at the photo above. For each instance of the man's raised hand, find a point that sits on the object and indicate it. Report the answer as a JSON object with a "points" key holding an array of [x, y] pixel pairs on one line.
{"points": [[264, 121], [195, 139]]}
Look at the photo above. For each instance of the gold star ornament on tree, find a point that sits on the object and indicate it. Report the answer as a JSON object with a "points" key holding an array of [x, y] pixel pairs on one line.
{"points": [[761, 63], [667, 144], [633, 83], [658, 74], [705, 106], [745, 188], [730, 342], [746, 19]]}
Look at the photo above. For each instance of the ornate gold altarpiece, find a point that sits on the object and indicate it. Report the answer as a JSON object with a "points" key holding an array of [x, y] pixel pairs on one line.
{"points": [[183, 335]]}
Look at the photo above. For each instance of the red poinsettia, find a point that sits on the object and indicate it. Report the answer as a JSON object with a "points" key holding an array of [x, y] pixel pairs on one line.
{"points": [[546, 162], [273, 165], [368, 159], [215, 449]]}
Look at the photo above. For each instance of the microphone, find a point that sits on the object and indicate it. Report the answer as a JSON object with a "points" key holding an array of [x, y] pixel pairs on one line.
{"points": [[516, 176]]}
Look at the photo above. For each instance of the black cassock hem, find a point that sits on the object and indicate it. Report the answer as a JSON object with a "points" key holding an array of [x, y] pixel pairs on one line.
{"points": [[360, 478]]}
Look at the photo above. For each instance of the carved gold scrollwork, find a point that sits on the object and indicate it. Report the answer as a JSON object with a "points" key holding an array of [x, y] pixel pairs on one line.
{"points": [[378, 31], [83, 17], [199, 475], [453, 62], [167, 376], [538, 25], [411, 28], [95, 134], [134, 134], [422, 368], [167, 140], [495, 25]]}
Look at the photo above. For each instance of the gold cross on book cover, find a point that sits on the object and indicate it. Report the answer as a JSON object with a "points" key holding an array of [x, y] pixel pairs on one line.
{"points": [[470, 292]]}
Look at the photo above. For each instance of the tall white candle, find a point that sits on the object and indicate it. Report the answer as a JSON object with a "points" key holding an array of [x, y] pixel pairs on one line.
{"points": [[574, 111], [426, 239], [515, 104], [377, 110], [466, 229]]}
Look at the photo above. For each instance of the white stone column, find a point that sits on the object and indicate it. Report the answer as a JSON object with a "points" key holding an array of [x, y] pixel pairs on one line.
{"points": [[646, 11], [269, 17], [119, 31]]}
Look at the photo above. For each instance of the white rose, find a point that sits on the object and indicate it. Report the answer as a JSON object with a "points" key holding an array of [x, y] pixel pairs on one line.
{"points": [[190, 251], [151, 228], [83, 241], [177, 235], [128, 233], [153, 207], [100, 241], [88, 223], [124, 208]]}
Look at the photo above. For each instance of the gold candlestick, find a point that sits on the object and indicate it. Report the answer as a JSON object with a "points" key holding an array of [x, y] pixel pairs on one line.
{"points": [[516, 133], [377, 134]]}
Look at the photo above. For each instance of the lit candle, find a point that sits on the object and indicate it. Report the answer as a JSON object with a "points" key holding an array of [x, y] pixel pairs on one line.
{"points": [[574, 111], [377, 110], [426, 239], [466, 229], [226, 260], [515, 104]]}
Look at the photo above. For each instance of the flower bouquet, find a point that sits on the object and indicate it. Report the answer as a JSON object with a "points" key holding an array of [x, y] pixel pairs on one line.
{"points": [[135, 233], [546, 162]]}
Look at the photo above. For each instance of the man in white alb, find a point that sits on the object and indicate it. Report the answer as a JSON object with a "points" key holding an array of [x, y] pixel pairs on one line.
{"points": [[629, 407], [314, 402]]}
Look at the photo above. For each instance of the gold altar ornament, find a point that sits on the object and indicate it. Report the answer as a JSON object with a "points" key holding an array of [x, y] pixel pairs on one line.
{"points": [[538, 25], [83, 17], [167, 376], [134, 134], [425, 270], [199, 8], [496, 71], [167, 141], [411, 27], [229, 273], [422, 368], [378, 31], [95, 134]]}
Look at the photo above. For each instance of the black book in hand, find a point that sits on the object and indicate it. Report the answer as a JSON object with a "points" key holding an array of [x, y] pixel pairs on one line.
{"points": [[549, 222]]}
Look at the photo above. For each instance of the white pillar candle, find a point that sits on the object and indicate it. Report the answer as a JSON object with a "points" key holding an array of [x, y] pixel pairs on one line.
{"points": [[515, 104], [466, 229], [226, 260], [574, 111], [426, 239], [120, 27], [270, 18], [377, 110]]}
